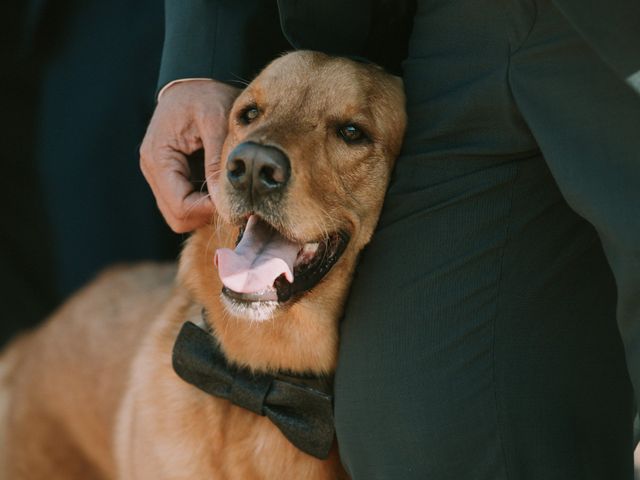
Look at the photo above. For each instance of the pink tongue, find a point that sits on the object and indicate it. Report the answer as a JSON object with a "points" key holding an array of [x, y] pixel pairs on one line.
{"points": [[261, 256]]}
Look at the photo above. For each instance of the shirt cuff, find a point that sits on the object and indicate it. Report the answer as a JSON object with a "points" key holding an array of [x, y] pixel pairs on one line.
{"points": [[179, 80]]}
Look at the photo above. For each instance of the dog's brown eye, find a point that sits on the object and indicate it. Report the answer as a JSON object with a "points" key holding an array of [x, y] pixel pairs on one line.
{"points": [[249, 115], [351, 133]]}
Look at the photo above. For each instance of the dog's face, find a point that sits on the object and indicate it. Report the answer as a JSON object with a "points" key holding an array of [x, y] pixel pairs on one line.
{"points": [[304, 169]]}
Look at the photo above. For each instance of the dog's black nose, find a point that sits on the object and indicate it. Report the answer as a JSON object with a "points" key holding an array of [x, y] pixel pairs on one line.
{"points": [[260, 169]]}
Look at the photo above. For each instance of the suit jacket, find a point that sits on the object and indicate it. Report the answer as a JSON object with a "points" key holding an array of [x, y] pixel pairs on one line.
{"points": [[232, 40], [613, 31]]}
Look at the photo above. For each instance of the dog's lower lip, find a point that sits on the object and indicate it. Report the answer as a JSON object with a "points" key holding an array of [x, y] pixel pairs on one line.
{"points": [[269, 295]]}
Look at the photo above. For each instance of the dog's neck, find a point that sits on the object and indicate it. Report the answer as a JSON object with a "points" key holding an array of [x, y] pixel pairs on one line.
{"points": [[319, 380], [299, 341]]}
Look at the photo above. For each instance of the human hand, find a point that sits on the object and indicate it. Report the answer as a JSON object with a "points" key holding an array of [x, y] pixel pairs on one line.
{"points": [[189, 116]]}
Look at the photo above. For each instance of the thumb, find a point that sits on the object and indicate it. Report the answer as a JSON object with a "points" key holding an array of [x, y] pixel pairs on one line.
{"points": [[183, 208]]}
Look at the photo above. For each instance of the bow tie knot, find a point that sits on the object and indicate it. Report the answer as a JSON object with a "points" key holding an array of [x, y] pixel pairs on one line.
{"points": [[250, 392], [300, 407]]}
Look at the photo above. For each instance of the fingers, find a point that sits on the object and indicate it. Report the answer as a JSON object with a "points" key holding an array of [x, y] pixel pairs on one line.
{"points": [[194, 211], [189, 116], [183, 208]]}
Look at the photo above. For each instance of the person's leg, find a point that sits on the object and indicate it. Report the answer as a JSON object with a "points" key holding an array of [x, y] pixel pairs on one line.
{"points": [[97, 96], [27, 288], [479, 340], [587, 123]]}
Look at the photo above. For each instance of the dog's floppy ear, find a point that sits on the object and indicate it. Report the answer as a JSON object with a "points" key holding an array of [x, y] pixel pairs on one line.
{"points": [[389, 106]]}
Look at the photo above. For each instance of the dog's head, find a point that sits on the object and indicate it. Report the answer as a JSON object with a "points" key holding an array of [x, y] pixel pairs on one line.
{"points": [[304, 169]]}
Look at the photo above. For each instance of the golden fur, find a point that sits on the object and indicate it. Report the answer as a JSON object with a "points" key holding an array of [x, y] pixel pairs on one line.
{"points": [[91, 394]]}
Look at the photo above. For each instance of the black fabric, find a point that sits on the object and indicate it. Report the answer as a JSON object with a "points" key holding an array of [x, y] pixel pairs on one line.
{"points": [[612, 30], [232, 41], [306, 23], [299, 406], [100, 63], [482, 317], [78, 85], [228, 40], [27, 288], [377, 30]]}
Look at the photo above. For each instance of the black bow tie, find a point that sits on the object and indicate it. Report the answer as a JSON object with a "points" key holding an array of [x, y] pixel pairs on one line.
{"points": [[303, 413]]}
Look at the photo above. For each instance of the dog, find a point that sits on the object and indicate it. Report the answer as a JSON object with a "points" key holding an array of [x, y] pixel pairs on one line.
{"points": [[114, 385]]}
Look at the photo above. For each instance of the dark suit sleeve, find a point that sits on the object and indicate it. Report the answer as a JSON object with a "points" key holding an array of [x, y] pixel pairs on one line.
{"points": [[612, 29], [228, 40]]}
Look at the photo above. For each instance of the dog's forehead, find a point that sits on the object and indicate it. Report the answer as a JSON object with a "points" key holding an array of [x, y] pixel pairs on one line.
{"points": [[313, 82]]}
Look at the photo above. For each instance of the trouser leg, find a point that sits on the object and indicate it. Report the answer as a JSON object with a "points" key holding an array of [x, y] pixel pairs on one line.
{"points": [[479, 340]]}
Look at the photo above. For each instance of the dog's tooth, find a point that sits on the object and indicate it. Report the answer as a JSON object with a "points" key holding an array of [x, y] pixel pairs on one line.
{"points": [[310, 248], [307, 253]]}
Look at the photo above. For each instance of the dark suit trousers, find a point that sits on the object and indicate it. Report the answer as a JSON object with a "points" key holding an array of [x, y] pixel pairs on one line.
{"points": [[480, 340], [97, 95]]}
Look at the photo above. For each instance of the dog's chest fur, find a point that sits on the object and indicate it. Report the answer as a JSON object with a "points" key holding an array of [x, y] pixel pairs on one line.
{"points": [[196, 435]]}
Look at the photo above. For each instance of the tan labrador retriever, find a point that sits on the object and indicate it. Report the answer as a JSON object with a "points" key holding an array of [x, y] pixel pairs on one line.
{"points": [[93, 393]]}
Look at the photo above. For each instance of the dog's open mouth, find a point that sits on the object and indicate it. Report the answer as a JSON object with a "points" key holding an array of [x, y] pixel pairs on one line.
{"points": [[267, 267]]}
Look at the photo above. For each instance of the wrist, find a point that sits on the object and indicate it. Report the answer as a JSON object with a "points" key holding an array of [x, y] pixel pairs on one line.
{"points": [[179, 81]]}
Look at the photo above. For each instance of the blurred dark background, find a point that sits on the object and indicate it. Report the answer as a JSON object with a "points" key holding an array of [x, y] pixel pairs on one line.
{"points": [[77, 87]]}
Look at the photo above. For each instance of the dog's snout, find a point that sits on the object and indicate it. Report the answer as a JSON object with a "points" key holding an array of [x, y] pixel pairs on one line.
{"points": [[258, 169]]}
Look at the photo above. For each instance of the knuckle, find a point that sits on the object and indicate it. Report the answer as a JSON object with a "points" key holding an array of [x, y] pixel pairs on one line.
{"points": [[180, 216], [173, 221], [145, 153], [177, 226]]}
